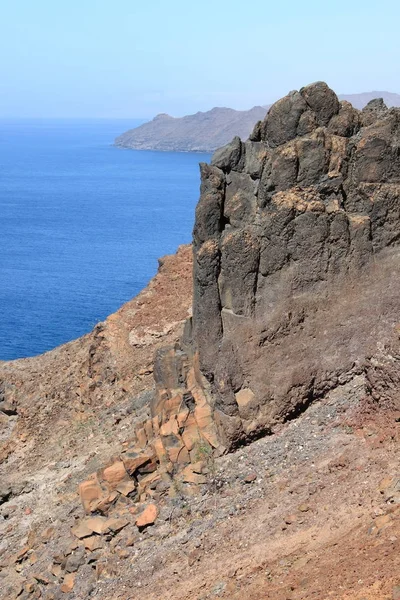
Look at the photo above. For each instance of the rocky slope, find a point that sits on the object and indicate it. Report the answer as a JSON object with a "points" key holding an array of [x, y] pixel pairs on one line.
{"points": [[207, 131], [263, 462]]}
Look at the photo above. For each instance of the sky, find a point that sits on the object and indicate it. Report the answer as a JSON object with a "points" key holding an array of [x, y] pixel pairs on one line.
{"points": [[137, 58]]}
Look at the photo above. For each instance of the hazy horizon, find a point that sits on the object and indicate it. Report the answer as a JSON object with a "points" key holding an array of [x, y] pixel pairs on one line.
{"points": [[135, 61]]}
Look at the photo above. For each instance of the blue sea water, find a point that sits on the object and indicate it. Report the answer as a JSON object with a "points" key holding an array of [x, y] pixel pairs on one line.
{"points": [[82, 225]]}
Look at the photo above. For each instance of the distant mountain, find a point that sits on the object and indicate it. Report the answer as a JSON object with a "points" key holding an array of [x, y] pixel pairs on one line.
{"points": [[202, 132], [361, 100], [206, 131]]}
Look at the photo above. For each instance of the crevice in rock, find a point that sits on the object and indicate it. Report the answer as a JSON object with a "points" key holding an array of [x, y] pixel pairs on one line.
{"points": [[250, 438]]}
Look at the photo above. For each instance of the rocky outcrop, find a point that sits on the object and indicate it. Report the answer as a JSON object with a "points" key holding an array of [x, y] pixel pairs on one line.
{"points": [[296, 236]]}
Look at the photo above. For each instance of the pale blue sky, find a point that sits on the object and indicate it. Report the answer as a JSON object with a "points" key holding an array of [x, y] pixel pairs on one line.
{"points": [[130, 58]]}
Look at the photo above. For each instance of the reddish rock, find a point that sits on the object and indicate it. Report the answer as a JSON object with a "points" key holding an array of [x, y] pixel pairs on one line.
{"points": [[189, 476], [56, 570], [93, 543], [148, 516], [68, 583], [96, 524], [126, 487], [133, 459], [91, 493], [115, 525], [81, 530], [42, 578], [20, 555], [148, 481], [114, 474]]}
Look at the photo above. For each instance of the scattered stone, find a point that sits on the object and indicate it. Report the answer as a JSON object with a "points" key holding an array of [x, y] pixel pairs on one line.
{"points": [[42, 579], [81, 530], [198, 467], [73, 545], [189, 476], [147, 517], [115, 474], [30, 587], [300, 563], [68, 583], [90, 493], [384, 484], [21, 554], [116, 525], [75, 561], [126, 487], [56, 570], [93, 543], [96, 524], [47, 534], [250, 478]]}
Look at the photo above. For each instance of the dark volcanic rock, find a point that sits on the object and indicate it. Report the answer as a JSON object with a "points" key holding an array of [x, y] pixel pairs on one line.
{"points": [[290, 229]]}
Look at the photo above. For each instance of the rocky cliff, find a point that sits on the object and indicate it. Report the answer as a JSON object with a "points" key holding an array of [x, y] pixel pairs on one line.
{"points": [[296, 235], [112, 487]]}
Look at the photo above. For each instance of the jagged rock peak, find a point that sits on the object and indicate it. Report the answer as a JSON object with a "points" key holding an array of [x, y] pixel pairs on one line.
{"points": [[285, 218], [302, 112]]}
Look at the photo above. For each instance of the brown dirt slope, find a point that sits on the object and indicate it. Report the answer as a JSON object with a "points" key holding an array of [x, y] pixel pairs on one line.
{"points": [[308, 512], [95, 376]]}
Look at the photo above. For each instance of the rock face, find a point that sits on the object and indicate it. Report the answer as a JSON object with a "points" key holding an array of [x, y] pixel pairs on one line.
{"points": [[296, 289], [296, 236]]}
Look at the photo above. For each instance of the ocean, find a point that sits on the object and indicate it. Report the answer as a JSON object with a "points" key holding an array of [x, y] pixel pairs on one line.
{"points": [[82, 225]]}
